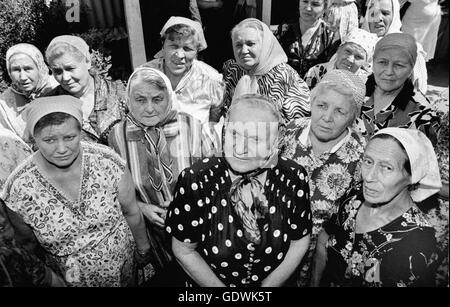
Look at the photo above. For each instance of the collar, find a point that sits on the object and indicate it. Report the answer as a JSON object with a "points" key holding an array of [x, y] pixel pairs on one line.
{"points": [[402, 99], [306, 142]]}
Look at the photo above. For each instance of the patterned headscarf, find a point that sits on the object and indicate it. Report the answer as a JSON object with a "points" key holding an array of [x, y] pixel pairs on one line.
{"points": [[175, 20], [159, 159], [71, 40], [424, 164], [34, 54], [347, 80], [396, 22], [364, 39], [399, 41]]}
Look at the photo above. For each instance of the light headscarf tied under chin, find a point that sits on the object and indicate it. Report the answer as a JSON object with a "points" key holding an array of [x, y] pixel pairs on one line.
{"points": [[158, 159], [175, 20], [71, 40], [396, 22], [173, 106], [34, 54], [424, 165], [272, 54]]}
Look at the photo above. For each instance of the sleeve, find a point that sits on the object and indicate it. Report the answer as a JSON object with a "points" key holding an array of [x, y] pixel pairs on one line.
{"points": [[412, 261], [230, 85], [300, 217], [296, 101], [17, 199], [184, 218]]}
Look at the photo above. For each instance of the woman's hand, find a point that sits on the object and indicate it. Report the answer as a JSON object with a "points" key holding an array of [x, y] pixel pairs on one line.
{"points": [[154, 214]]}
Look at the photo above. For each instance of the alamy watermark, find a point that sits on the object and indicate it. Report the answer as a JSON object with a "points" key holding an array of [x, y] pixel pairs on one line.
{"points": [[73, 11]]}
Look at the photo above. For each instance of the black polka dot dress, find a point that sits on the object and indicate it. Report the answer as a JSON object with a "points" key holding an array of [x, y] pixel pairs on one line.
{"points": [[202, 213]]}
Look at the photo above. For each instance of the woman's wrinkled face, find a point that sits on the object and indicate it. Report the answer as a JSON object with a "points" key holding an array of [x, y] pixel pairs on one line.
{"points": [[350, 57], [311, 10], [247, 47], [380, 16], [383, 172], [179, 54], [148, 103], [391, 68], [331, 114], [71, 73], [60, 144], [249, 140], [24, 72]]}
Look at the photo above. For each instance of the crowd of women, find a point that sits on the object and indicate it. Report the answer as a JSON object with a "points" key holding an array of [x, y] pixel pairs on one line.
{"points": [[313, 159]]}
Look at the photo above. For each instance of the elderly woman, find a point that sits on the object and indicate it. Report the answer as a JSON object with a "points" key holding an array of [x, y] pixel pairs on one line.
{"points": [[310, 40], [242, 219], [259, 55], [379, 237], [328, 148], [29, 80], [382, 18], [391, 100], [198, 86], [354, 54], [76, 199], [102, 100], [158, 142]]}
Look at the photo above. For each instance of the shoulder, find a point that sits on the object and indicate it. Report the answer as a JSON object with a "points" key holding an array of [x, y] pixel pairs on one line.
{"points": [[297, 125], [231, 66], [421, 99], [202, 167], [292, 169], [155, 63], [357, 139], [207, 70], [102, 153], [17, 177]]}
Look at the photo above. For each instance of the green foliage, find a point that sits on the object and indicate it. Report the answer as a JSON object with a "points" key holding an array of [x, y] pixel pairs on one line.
{"points": [[32, 21]]}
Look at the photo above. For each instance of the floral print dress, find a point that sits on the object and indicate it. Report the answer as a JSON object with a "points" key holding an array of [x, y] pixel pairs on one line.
{"points": [[400, 254], [331, 175], [87, 240]]}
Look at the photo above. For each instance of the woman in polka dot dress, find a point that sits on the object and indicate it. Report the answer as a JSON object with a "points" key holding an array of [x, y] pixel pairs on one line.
{"points": [[242, 219]]}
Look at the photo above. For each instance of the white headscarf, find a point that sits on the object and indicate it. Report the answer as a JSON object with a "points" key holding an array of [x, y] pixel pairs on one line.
{"points": [[396, 23], [173, 102], [424, 164], [199, 35], [36, 56]]}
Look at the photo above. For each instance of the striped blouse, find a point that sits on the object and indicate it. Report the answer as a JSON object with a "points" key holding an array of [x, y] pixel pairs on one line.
{"points": [[281, 83], [187, 142]]}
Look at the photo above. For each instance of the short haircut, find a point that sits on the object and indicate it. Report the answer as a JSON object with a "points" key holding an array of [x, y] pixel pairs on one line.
{"points": [[321, 87], [53, 119], [381, 136], [62, 48]]}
